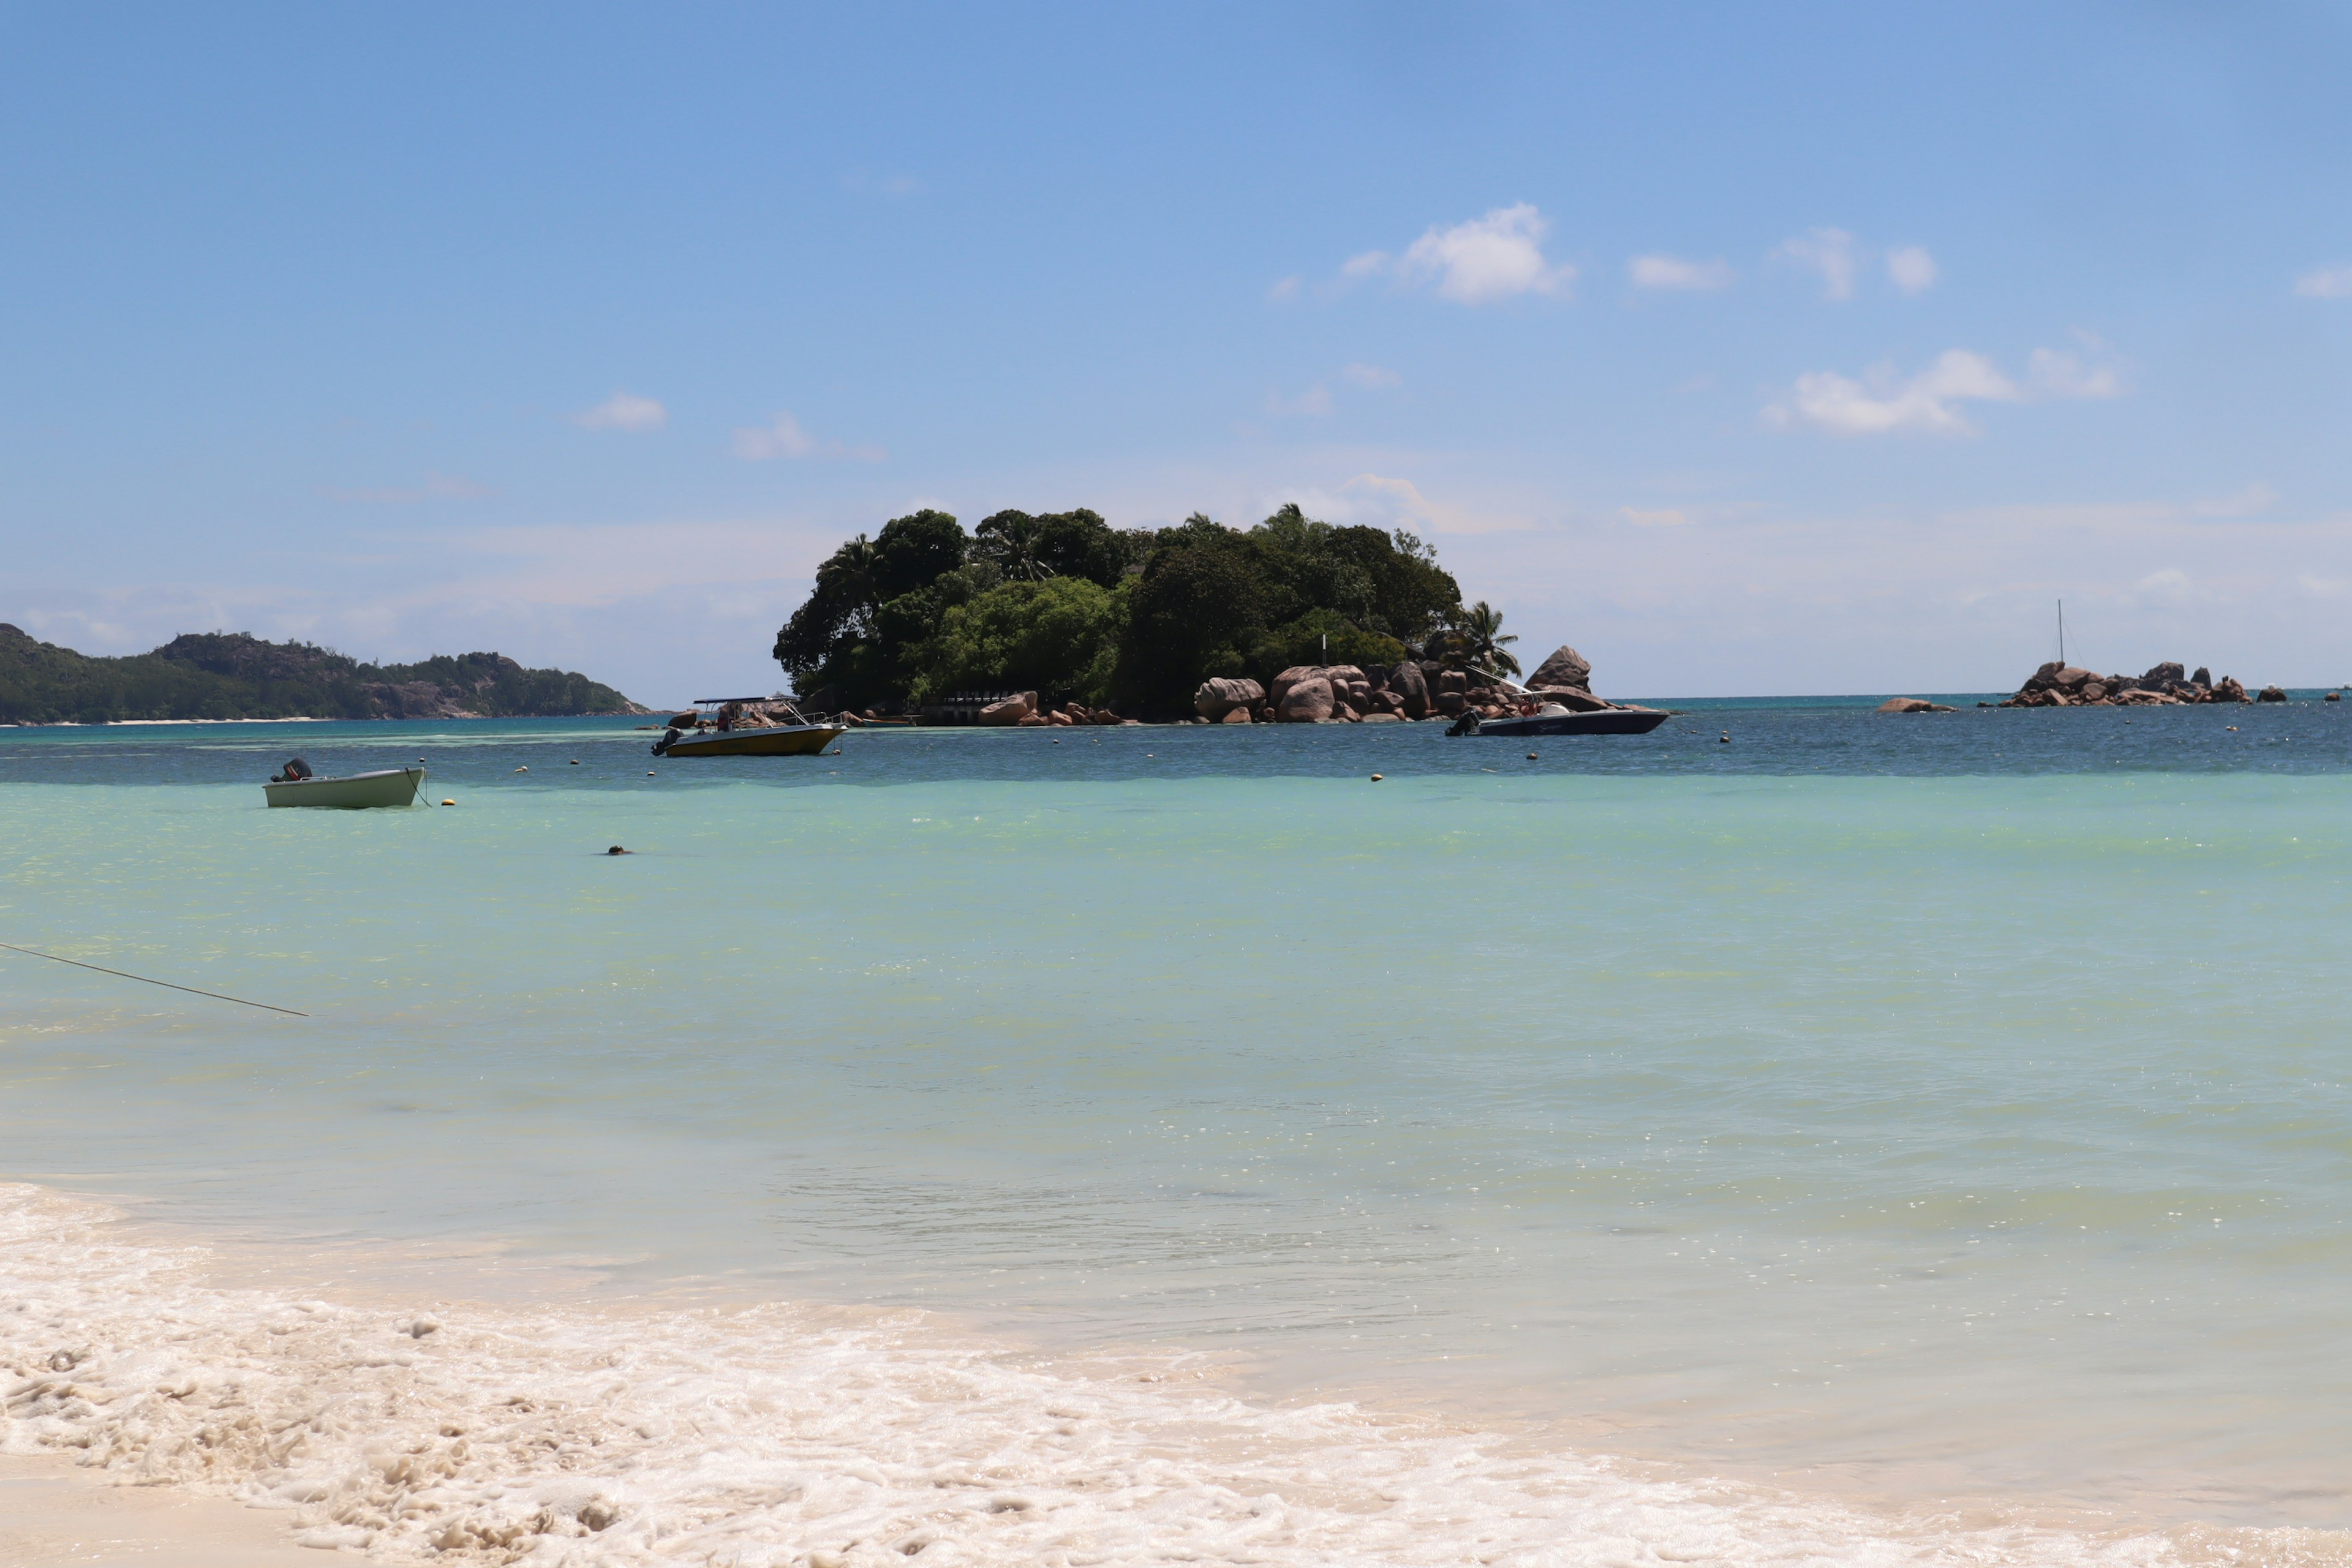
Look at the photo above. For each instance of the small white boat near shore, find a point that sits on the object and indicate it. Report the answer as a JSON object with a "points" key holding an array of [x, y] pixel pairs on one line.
{"points": [[385, 786]]}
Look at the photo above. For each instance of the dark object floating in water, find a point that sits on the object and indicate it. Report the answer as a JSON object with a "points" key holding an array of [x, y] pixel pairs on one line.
{"points": [[1724, 739], [617, 849]]}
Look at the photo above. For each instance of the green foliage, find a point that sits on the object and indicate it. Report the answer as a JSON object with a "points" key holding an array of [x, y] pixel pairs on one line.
{"points": [[1056, 544], [1217, 601], [1475, 637], [214, 675], [1059, 635], [872, 603], [1320, 636], [1174, 607]]}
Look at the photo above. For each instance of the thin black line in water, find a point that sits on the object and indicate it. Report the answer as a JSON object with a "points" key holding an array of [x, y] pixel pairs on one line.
{"points": [[126, 974]]}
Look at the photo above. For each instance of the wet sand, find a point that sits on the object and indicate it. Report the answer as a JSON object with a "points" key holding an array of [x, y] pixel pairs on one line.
{"points": [[53, 1513]]}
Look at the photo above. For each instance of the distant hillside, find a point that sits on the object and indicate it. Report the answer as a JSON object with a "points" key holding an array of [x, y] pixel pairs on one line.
{"points": [[233, 675]]}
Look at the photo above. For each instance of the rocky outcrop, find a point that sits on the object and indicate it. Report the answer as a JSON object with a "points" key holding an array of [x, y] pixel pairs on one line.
{"points": [[1566, 667], [2272, 694], [1409, 690], [1306, 700], [2056, 685], [1911, 705], [1575, 700], [1219, 697], [1020, 705]]}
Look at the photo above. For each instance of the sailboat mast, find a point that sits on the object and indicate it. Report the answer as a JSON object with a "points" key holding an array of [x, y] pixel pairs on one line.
{"points": [[2061, 631]]}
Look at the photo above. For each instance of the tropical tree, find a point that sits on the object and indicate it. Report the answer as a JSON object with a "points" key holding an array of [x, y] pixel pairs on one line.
{"points": [[872, 598], [1478, 631], [1077, 543], [1014, 542], [1059, 637]]}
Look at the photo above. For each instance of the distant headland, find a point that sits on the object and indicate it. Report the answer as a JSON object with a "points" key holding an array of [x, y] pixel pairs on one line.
{"points": [[234, 674]]}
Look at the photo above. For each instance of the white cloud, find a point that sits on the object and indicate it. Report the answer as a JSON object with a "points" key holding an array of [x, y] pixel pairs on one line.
{"points": [[1372, 375], [1880, 403], [2053, 373], [1316, 399], [1493, 258], [1912, 270], [624, 412], [784, 437], [2327, 283], [1666, 518], [1828, 251], [1882, 400], [1674, 272], [1283, 291]]}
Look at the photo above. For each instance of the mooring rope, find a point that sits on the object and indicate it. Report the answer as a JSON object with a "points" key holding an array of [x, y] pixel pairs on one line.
{"points": [[78, 963]]}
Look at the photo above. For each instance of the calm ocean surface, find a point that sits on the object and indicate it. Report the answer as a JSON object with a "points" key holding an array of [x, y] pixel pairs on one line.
{"points": [[1934, 1128]]}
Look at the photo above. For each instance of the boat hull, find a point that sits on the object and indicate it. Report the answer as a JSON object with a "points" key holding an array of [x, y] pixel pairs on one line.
{"points": [[1604, 722], [780, 741], [390, 786]]}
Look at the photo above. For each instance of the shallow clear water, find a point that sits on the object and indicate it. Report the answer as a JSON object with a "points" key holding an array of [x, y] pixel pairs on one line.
{"points": [[1900, 1108]]}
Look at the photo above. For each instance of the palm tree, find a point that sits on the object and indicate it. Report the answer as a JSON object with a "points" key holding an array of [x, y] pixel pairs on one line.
{"points": [[1016, 543], [1480, 629]]}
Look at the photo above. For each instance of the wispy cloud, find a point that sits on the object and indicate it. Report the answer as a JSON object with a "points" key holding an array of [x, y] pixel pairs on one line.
{"points": [[1372, 375], [1932, 401], [2327, 283], [623, 411], [437, 487], [1283, 291], [1911, 269], [1827, 251], [2055, 373], [1316, 399], [2256, 497], [1672, 272], [784, 437], [1664, 517], [1498, 257]]}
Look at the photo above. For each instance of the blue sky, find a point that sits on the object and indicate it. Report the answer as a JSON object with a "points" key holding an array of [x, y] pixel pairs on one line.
{"points": [[1750, 349]]}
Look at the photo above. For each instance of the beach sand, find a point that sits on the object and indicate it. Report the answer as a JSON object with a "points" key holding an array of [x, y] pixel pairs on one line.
{"points": [[52, 1512]]}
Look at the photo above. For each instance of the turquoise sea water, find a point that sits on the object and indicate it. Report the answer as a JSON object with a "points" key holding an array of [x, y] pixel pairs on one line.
{"points": [[1888, 1109]]}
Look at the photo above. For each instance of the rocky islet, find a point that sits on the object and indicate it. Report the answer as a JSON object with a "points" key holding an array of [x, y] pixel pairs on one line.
{"points": [[2056, 685]]}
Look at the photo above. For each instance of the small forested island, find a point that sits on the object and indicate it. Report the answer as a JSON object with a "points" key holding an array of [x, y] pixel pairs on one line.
{"points": [[1134, 621], [233, 675]]}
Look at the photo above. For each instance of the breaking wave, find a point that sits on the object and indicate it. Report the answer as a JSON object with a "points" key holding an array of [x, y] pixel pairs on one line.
{"points": [[808, 1435]]}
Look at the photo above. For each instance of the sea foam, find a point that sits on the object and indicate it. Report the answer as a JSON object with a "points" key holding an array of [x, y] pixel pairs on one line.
{"points": [[796, 1434]]}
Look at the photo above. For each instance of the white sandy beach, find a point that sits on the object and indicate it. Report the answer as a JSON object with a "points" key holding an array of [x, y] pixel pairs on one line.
{"points": [[53, 1513]]}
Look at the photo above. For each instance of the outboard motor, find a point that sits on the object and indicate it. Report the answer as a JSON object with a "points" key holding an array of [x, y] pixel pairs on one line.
{"points": [[1466, 725], [296, 770], [668, 735]]}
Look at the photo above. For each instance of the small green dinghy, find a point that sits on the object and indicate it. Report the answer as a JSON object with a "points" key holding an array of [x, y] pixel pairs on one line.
{"points": [[386, 787]]}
